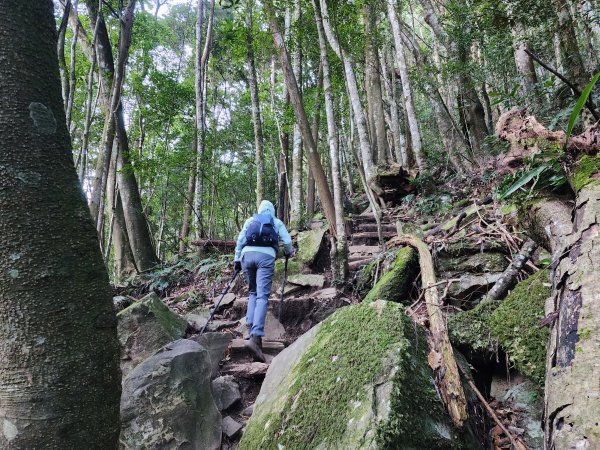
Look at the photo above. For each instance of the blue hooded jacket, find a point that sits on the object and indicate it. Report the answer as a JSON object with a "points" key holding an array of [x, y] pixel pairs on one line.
{"points": [[266, 207]]}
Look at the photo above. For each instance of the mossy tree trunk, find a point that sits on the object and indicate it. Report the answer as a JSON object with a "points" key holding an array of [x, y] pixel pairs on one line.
{"points": [[59, 371]]}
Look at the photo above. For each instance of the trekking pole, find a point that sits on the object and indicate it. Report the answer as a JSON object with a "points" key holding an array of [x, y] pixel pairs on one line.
{"points": [[283, 287], [235, 274]]}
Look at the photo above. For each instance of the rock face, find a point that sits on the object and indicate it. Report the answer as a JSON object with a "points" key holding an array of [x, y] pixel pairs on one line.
{"points": [[167, 401], [359, 380], [226, 392], [145, 327], [309, 243]]}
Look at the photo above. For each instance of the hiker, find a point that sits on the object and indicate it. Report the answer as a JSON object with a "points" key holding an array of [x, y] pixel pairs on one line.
{"points": [[255, 254]]}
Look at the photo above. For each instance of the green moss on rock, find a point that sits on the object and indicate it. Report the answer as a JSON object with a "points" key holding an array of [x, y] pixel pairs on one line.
{"points": [[587, 166], [471, 328], [515, 323], [511, 324], [395, 283], [363, 379], [309, 243]]}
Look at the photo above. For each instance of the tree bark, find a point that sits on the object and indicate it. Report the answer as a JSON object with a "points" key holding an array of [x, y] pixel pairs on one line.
{"points": [[188, 205], [59, 374], [312, 154], [411, 117], [199, 129], [72, 67], [62, 63], [258, 134], [297, 172], [310, 184]]}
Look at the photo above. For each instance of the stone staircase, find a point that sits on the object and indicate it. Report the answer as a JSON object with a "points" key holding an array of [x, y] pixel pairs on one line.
{"points": [[364, 242]]}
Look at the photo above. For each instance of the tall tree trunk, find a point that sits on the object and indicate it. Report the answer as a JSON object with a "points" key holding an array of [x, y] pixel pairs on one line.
{"points": [[59, 371], [373, 88], [258, 134], [296, 99], [62, 63], [390, 95], [340, 260], [72, 66], [411, 117], [310, 185], [572, 62], [297, 172], [523, 61], [202, 54]]}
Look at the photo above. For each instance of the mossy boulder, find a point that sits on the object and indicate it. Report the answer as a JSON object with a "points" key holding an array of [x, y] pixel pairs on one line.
{"points": [[395, 283], [516, 326], [145, 327], [360, 380], [309, 244], [584, 172], [512, 324]]}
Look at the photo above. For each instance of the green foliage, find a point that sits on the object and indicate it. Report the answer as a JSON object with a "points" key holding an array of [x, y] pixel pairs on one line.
{"points": [[542, 172], [579, 106]]}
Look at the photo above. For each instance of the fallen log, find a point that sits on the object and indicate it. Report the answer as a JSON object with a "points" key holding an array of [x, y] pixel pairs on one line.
{"points": [[446, 370]]}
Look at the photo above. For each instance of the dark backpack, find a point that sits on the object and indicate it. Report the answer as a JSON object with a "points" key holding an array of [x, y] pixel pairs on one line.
{"points": [[261, 232]]}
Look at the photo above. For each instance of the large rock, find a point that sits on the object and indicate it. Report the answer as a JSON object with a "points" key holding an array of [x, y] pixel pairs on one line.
{"points": [[145, 327], [216, 344], [360, 380], [395, 283], [309, 243], [226, 392], [167, 401]]}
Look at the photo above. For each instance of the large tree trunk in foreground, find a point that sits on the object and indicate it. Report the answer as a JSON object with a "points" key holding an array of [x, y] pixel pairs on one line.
{"points": [[572, 394], [312, 154], [59, 371]]}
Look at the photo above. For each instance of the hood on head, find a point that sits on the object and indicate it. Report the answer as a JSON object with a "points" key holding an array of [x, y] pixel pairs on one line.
{"points": [[266, 207]]}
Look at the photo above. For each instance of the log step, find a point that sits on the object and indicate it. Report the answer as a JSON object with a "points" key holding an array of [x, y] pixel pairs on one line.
{"points": [[370, 237], [359, 264], [363, 249], [238, 346], [385, 227]]}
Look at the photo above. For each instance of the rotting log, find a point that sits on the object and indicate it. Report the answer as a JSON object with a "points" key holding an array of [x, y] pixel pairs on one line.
{"points": [[447, 374], [453, 224]]}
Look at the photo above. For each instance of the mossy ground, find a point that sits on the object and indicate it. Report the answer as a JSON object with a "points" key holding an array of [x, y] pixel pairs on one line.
{"points": [[512, 324], [328, 392], [394, 285]]}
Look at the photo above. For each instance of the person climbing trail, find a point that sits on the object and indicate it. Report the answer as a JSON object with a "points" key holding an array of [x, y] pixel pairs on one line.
{"points": [[255, 253]]}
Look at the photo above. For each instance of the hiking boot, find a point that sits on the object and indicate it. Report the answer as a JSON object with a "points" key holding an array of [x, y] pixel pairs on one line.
{"points": [[255, 347], [247, 332]]}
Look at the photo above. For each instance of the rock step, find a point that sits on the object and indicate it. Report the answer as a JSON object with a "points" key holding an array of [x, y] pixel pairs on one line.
{"points": [[238, 346], [253, 370], [370, 237], [363, 249], [368, 226]]}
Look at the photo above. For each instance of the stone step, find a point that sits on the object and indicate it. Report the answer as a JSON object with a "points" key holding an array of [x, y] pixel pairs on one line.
{"points": [[370, 237], [363, 249], [385, 227], [251, 370], [238, 346]]}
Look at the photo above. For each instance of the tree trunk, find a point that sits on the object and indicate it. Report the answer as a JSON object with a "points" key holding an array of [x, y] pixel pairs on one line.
{"points": [[411, 117], [258, 134], [390, 94], [59, 372], [572, 62], [297, 172], [188, 205], [340, 260], [572, 391], [310, 185], [62, 63], [523, 61], [373, 88], [72, 78], [88, 120], [312, 154]]}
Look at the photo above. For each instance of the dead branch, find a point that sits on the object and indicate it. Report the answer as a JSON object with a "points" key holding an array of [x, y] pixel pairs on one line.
{"points": [[454, 223], [508, 280], [516, 442], [447, 375]]}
